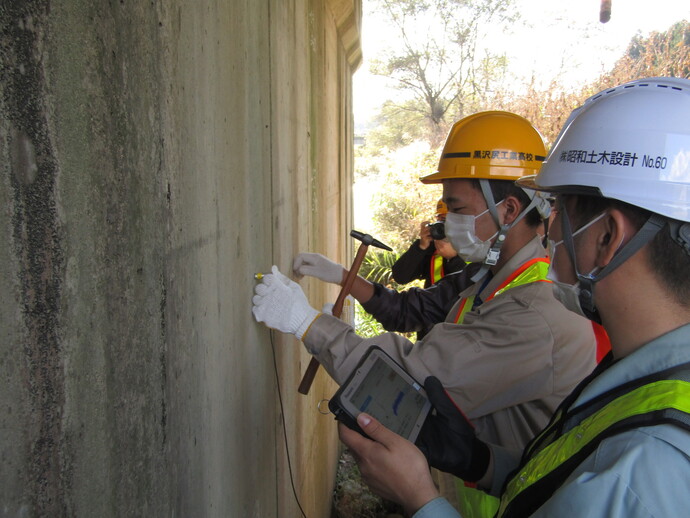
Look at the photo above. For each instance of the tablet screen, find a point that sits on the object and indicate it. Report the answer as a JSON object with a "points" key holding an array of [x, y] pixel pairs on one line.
{"points": [[388, 397]]}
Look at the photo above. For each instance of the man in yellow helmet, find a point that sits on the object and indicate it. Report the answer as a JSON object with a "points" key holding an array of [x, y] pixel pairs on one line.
{"points": [[619, 444], [507, 352]]}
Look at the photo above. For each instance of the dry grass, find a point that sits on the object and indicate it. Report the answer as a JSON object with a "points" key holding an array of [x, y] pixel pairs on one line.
{"points": [[353, 499]]}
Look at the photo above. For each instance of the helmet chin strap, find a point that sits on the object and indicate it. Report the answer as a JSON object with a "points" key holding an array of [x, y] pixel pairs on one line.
{"points": [[587, 282], [495, 251]]}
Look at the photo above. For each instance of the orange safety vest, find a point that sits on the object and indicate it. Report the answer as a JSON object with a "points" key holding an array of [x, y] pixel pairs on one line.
{"points": [[436, 266], [534, 270], [474, 503]]}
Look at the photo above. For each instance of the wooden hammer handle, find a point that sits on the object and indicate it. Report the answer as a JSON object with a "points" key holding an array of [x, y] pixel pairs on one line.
{"points": [[309, 376], [313, 367], [349, 280]]}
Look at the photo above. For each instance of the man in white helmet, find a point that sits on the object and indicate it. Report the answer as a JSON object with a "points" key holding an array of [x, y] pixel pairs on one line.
{"points": [[619, 445], [507, 352]]}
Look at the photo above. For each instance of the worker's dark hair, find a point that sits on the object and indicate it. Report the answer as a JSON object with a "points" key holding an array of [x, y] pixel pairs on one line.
{"points": [[501, 189], [671, 264]]}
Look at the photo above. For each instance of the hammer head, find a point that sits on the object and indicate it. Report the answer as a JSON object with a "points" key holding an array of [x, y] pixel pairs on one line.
{"points": [[368, 240]]}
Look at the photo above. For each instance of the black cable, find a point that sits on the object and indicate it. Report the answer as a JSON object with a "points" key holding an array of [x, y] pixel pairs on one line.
{"points": [[282, 419]]}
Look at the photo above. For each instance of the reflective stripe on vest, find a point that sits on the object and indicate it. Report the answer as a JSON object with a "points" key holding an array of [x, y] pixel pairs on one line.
{"points": [[436, 265], [475, 503], [639, 407], [534, 270]]}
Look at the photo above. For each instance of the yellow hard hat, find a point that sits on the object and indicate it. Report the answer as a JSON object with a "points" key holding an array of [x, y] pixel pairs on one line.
{"points": [[441, 208], [493, 145]]}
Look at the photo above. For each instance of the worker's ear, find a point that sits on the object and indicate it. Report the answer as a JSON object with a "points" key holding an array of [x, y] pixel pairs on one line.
{"points": [[615, 230], [512, 207]]}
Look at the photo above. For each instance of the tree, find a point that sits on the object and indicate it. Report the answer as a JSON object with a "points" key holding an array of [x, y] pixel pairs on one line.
{"points": [[659, 54], [547, 109], [399, 200], [393, 127], [438, 62]]}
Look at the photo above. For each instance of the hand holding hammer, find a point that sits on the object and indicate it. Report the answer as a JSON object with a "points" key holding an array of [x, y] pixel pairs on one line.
{"points": [[366, 241]]}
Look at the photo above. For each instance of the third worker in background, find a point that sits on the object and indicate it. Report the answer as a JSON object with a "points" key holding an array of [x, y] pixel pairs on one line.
{"points": [[429, 258]]}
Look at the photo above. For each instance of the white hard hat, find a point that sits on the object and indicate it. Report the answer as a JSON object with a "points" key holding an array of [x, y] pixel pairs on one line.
{"points": [[630, 143]]}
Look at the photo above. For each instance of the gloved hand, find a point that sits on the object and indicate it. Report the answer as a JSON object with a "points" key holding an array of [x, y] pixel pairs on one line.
{"points": [[281, 304], [316, 265], [447, 438]]}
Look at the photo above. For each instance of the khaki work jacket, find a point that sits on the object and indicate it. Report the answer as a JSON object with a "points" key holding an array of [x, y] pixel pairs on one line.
{"points": [[508, 366]]}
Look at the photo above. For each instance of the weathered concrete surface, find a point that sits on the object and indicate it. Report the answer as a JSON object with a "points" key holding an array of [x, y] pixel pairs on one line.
{"points": [[154, 156]]}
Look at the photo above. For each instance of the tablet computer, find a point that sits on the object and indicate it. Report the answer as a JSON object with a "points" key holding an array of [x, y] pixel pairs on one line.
{"points": [[380, 387]]}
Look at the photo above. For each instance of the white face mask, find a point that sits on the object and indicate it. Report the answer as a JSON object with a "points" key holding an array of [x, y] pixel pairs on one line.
{"points": [[568, 294], [460, 231]]}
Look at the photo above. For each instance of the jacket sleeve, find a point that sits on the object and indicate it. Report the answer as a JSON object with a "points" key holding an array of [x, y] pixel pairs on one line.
{"points": [[475, 362], [415, 309], [339, 349], [412, 264], [437, 508], [455, 264]]}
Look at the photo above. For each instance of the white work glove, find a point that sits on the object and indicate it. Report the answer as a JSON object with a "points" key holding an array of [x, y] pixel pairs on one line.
{"points": [[316, 265], [281, 304]]}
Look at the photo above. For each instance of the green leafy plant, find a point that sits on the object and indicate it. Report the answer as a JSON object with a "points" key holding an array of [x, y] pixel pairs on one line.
{"points": [[377, 267]]}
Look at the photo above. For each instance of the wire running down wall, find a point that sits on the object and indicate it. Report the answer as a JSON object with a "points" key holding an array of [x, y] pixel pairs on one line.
{"points": [[155, 155]]}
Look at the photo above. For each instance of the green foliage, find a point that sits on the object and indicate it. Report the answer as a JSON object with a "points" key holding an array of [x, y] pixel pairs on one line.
{"points": [[376, 267], [400, 201], [402, 207], [366, 325], [398, 125]]}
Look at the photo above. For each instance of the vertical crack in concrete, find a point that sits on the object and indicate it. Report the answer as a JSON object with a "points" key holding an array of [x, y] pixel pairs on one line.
{"points": [[37, 246]]}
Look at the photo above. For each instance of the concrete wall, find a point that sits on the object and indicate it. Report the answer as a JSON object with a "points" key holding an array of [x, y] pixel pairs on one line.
{"points": [[154, 155]]}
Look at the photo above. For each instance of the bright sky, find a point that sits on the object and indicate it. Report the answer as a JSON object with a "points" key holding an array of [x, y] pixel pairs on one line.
{"points": [[555, 36]]}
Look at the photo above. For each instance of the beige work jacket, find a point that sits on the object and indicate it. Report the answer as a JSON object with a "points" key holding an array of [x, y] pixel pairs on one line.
{"points": [[508, 366]]}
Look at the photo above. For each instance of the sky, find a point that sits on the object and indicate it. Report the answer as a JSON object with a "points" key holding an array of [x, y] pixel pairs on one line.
{"points": [[561, 37]]}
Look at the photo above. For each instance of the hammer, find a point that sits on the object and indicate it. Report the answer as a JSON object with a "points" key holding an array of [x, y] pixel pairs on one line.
{"points": [[367, 241]]}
